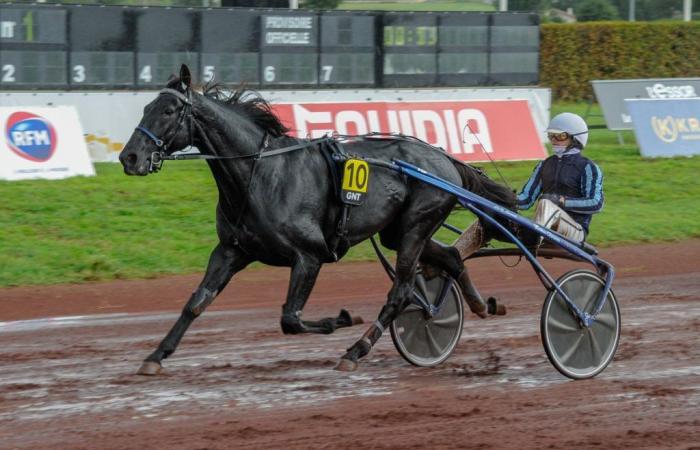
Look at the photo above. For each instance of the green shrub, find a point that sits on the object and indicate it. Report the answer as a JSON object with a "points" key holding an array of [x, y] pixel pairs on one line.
{"points": [[573, 54]]}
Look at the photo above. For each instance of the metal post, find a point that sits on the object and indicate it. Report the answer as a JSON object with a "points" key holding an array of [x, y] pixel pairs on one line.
{"points": [[687, 9], [632, 11], [293, 4], [503, 5]]}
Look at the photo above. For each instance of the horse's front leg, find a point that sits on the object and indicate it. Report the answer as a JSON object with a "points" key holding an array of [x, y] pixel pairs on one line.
{"points": [[304, 274], [224, 262]]}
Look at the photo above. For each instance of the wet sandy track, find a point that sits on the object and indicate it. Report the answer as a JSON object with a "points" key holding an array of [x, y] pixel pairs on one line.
{"points": [[67, 381]]}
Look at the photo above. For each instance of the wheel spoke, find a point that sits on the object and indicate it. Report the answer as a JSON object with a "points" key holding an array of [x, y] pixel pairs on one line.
{"points": [[561, 326], [596, 352], [570, 352], [412, 308], [446, 321], [434, 346], [606, 319], [588, 295], [422, 288], [409, 335]]}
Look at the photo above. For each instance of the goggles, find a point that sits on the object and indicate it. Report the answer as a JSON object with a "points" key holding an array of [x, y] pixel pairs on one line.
{"points": [[558, 137]]}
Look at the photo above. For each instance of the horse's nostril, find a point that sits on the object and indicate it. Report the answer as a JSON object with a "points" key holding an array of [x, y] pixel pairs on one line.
{"points": [[131, 158]]}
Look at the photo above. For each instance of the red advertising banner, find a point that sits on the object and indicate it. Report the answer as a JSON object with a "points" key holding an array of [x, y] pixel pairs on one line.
{"points": [[468, 130]]}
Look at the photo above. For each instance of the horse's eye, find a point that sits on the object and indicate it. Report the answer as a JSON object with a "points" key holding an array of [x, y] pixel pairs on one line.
{"points": [[169, 112]]}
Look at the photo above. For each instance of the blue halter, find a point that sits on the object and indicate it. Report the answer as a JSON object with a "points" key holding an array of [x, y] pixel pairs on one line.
{"points": [[157, 156]]}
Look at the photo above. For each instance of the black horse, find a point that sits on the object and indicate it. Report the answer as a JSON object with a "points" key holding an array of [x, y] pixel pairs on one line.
{"points": [[283, 210]]}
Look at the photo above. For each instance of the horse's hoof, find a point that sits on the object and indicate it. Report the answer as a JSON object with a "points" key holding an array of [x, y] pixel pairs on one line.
{"points": [[149, 368], [345, 365], [345, 319], [495, 308], [357, 320]]}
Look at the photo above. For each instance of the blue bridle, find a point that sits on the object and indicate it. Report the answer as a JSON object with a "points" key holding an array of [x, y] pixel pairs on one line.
{"points": [[156, 161]]}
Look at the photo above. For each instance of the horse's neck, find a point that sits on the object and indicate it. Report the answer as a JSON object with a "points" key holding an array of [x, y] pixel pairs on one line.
{"points": [[223, 131]]}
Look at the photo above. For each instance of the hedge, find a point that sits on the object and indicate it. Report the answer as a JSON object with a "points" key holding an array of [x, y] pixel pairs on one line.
{"points": [[573, 54]]}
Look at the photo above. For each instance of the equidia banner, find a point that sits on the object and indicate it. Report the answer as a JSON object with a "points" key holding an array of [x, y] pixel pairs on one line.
{"points": [[471, 131], [666, 127], [611, 94], [42, 143]]}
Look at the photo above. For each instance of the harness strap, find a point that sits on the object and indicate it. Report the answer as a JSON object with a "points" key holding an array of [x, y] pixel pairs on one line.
{"points": [[257, 155]]}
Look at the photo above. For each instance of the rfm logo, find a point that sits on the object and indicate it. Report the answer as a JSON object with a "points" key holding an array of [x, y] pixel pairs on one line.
{"points": [[30, 136]]}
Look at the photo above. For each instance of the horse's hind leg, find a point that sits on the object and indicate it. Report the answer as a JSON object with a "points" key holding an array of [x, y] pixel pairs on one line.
{"points": [[449, 260], [304, 274], [223, 264]]}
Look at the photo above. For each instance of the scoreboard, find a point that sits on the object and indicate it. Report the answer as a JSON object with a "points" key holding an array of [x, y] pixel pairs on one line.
{"points": [[74, 47], [34, 43]]}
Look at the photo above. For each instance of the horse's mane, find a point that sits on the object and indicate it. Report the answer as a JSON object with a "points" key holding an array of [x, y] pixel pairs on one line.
{"points": [[479, 183], [251, 103]]}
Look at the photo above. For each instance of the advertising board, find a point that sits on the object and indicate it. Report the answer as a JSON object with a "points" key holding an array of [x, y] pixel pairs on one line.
{"points": [[109, 118], [42, 143], [666, 127], [611, 94], [469, 130]]}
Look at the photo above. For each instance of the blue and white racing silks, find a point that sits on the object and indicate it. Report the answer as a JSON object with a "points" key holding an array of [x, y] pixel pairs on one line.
{"points": [[573, 176]]}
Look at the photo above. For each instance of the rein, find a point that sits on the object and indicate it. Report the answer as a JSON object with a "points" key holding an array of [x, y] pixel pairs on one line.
{"points": [[161, 155]]}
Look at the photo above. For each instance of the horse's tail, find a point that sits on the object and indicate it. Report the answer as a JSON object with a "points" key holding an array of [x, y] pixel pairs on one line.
{"points": [[477, 182]]}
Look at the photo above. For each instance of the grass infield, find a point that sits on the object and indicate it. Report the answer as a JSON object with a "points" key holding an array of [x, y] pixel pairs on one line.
{"points": [[112, 226]]}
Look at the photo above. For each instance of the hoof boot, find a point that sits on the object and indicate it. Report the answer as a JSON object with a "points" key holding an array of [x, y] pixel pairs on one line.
{"points": [[495, 308], [345, 365], [149, 368]]}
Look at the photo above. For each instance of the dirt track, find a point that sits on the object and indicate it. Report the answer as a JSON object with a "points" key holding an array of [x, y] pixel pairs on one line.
{"points": [[69, 353]]}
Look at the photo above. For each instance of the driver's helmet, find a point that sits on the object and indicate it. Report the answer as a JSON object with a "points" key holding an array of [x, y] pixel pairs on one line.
{"points": [[571, 124]]}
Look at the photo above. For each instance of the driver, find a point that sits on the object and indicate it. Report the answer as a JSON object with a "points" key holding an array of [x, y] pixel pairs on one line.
{"points": [[568, 185]]}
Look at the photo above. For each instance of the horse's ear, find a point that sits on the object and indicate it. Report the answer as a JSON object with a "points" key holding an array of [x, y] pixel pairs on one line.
{"points": [[171, 80], [185, 76]]}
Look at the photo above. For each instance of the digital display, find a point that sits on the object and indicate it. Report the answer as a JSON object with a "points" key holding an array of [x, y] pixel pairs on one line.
{"points": [[114, 47], [165, 39], [348, 32], [290, 68], [32, 47], [410, 49], [102, 47], [230, 46], [348, 44], [347, 68], [463, 58], [400, 35], [102, 68], [31, 67], [289, 49], [514, 49], [154, 69], [33, 26], [231, 68]]}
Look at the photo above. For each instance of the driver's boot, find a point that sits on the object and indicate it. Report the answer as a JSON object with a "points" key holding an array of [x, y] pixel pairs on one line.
{"points": [[467, 243], [470, 241]]}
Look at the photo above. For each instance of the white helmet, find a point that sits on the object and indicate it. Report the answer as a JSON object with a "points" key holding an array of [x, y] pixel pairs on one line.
{"points": [[571, 124]]}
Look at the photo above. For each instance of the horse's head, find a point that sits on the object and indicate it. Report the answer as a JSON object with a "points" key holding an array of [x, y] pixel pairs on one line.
{"points": [[166, 127]]}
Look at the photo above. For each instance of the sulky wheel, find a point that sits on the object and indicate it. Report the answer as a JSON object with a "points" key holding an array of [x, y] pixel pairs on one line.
{"points": [[424, 341], [575, 350]]}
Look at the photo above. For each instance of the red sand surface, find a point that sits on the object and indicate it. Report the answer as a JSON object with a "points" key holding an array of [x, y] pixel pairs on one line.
{"points": [[68, 356]]}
